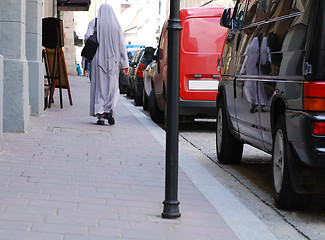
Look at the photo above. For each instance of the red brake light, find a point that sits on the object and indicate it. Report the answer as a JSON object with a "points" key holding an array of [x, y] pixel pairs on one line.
{"points": [[319, 128], [314, 96], [140, 70]]}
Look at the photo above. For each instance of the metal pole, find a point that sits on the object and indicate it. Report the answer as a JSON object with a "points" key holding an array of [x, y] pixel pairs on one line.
{"points": [[171, 204]]}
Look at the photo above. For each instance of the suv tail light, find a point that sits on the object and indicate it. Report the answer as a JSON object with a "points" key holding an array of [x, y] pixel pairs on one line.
{"points": [[314, 96], [140, 70], [319, 128]]}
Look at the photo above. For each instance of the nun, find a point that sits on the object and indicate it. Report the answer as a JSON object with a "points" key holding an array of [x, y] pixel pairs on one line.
{"points": [[111, 56]]}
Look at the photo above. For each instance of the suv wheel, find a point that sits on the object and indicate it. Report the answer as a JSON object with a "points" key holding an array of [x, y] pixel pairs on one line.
{"points": [[284, 195], [229, 149], [137, 99], [145, 100], [156, 115], [122, 89], [128, 92], [132, 91]]}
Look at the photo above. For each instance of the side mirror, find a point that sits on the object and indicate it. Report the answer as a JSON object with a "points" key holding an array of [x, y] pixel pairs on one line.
{"points": [[226, 18]]}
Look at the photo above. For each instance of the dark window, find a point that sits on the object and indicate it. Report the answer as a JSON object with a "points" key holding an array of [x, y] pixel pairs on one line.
{"points": [[238, 17], [263, 10], [201, 39], [257, 11], [286, 35]]}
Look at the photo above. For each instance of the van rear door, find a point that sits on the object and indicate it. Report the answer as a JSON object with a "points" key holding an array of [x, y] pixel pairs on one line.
{"points": [[202, 40]]}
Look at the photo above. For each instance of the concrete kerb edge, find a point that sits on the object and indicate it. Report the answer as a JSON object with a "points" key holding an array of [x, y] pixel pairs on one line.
{"points": [[239, 218]]}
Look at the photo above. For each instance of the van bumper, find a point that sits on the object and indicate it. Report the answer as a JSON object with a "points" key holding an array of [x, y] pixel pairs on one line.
{"points": [[198, 108], [307, 162]]}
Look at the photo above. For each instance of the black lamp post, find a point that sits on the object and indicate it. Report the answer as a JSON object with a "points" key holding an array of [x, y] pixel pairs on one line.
{"points": [[171, 204]]}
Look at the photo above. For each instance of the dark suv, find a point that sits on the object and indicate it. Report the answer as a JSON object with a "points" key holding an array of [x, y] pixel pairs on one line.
{"points": [[133, 64], [131, 50], [272, 93], [137, 79]]}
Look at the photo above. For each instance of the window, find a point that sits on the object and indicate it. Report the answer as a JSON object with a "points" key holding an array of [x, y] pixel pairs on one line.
{"points": [[239, 14], [202, 39], [257, 11]]}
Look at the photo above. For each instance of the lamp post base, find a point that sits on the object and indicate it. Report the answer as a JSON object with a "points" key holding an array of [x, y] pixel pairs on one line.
{"points": [[171, 209]]}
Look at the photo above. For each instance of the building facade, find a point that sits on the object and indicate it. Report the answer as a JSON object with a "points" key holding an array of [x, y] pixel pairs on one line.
{"points": [[23, 71], [21, 66], [149, 15], [202, 3], [143, 22], [206, 3]]}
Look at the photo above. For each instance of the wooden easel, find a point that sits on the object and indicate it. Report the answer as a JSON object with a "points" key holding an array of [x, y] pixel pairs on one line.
{"points": [[56, 73]]}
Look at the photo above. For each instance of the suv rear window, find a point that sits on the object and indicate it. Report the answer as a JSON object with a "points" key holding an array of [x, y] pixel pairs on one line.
{"points": [[201, 35]]}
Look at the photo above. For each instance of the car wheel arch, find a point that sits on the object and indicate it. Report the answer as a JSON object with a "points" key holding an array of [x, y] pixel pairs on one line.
{"points": [[221, 96]]}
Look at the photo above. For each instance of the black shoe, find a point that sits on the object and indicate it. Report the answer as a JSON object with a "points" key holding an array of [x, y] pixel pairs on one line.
{"points": [[100, 121], [111, 120], [253, 108]]}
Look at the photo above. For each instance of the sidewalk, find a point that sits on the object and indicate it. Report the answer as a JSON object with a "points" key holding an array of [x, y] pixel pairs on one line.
{"points": [[71, 179]]}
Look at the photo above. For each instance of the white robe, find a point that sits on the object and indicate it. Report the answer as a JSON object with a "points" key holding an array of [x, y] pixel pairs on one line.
{"points": [[250, 67], [111, 55]]}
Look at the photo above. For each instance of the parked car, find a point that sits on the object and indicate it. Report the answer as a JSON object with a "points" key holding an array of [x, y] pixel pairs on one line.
{"points": [[201, 42], [129, 79], [137, 80], [122, 82], [130, 49], [272, 93], [148, 80]]}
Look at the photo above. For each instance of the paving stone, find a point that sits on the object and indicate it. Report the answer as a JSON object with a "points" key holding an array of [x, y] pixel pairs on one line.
{"points": [[69, 179]]}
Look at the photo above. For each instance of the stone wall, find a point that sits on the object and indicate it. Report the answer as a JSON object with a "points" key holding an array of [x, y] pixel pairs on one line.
{"points": [[34, 55], [48, 10], [16, 110], [69, 48], [1, 102]]}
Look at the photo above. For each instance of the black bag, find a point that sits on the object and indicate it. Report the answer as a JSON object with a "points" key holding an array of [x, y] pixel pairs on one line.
{"points": [[266, 68], [91, 45]]}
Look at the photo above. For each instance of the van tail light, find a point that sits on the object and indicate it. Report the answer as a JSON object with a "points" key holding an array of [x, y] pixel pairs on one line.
{"points": [[314, 96], [140, 70], [319, 128]]}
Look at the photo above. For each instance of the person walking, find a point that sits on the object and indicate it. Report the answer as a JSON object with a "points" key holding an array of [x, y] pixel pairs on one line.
{"points": [[111, 56]]}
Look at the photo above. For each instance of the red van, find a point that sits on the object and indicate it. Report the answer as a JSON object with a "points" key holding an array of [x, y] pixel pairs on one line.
{"points": [[201, 43]]}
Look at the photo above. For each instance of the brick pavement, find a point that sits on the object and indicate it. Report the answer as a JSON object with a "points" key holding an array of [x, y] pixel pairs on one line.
{"points": [[70, 179]]}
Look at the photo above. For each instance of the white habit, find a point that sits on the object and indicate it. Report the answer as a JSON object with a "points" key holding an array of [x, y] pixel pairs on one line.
{"points": [[110, 57]]}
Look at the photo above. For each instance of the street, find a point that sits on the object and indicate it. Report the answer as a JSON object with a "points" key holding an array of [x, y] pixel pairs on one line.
{"points": [[250, 182]]}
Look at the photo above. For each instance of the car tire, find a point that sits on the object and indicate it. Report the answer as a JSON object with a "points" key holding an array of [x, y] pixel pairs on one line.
{"points": [[128, 92], [165, 114], [284, 195], [122, 89], [145, 100], [137, 98], [229, 149], [131, 87], [131, 92], [156, 115]]}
